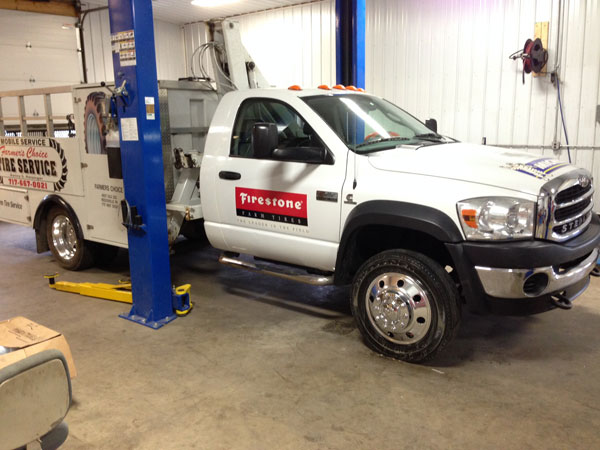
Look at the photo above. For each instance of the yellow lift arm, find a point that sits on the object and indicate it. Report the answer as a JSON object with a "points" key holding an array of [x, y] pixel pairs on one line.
{"points": [[117, 292]]}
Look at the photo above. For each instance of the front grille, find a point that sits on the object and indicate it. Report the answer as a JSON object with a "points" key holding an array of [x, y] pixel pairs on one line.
{"points": [[572, 227], [565, 206], [572, 210], [572, 193]]}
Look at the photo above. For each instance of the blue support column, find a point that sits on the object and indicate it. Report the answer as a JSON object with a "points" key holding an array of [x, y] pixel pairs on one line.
{"points": [[134, 61], [350, 42]]}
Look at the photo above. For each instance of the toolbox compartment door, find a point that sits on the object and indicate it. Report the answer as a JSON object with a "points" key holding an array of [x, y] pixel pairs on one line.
{"points": [[14, 206]]}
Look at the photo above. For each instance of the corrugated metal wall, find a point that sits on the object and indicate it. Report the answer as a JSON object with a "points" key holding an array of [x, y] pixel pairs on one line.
{"points": [[291, 45], [448, 59], [170, 56]]}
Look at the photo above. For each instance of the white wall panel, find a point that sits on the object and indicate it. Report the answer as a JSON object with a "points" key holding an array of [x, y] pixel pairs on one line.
{"points": [[168, 39], [291, 45], [36, 52]]}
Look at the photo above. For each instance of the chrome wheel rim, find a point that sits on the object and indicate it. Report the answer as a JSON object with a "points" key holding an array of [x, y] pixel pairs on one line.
{"points": [[398, 308], [92, 135], [64, 238]]}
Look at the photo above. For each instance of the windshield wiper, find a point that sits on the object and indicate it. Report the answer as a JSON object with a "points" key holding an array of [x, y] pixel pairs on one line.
{"points": [[434, 137], [376, 141]]}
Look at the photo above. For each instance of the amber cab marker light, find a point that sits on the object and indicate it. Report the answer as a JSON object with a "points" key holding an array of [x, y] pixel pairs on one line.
{"points": [[295, 87], [351, 88], [361, 90], [340, 87], [470, 217], [325, 87]]}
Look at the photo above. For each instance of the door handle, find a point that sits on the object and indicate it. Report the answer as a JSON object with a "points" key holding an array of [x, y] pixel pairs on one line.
{"points": [[226, 175]]}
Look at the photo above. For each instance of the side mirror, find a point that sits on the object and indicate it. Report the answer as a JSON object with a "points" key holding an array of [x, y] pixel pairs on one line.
{"points": [[310, 155], [35, 394], [431, 124], [264, 139]]}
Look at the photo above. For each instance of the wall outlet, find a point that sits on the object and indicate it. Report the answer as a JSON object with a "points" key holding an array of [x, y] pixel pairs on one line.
{"points": [[556, 145]]}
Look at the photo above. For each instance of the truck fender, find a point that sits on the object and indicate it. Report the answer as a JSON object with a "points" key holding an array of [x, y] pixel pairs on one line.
{"points": [[409, 216], [39, 220]]}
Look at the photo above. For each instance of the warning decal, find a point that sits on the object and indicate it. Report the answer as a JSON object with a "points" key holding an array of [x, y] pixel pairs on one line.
{"points": [[123, 43], [276, 206]]}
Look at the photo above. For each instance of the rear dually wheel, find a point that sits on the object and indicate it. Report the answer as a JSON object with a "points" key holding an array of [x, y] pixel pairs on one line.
{"points": [[67, 246]]}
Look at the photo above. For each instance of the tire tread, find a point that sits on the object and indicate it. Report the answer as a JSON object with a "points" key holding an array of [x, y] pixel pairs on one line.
{"points": [[443, 288]]}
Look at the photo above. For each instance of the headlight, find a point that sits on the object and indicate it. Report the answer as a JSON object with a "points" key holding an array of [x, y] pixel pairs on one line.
{"points": [[497, 218]]}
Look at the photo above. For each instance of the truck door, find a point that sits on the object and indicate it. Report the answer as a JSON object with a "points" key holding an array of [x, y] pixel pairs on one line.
{"points": [[280, 208], [104, 195], [103, 184]]}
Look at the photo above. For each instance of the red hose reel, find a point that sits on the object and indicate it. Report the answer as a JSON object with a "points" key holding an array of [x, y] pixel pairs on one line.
{"points": [[533, 55]]}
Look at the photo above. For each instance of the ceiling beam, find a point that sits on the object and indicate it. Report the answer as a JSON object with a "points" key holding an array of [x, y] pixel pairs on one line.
{"points": [[55, 7]]}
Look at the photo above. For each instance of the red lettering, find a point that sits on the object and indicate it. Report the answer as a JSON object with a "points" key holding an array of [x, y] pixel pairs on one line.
{"points": [[271, 202], [33, 153]]}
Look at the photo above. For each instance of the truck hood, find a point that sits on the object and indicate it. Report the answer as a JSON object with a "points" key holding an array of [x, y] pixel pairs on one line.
{"points": [[520, 171]]}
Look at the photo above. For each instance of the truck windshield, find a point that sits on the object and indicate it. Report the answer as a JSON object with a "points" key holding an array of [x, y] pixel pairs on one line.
{"points": [[369, 124]]}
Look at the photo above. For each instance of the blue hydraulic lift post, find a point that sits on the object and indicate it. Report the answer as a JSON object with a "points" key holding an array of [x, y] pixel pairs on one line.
{"points": [[350, 51], [350, 42], [134, 61]]}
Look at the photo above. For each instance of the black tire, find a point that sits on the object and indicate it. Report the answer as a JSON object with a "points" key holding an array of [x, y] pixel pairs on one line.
{"points": [[194, 230], [66, 244], [94, 127], [104, 254], [406, 305]]}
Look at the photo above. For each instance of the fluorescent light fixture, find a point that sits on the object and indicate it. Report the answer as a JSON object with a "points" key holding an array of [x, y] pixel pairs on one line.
{"points": [[212, 3]]}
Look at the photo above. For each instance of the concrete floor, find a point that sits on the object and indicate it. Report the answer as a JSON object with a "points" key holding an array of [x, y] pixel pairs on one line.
{"points": [[266, 364]]}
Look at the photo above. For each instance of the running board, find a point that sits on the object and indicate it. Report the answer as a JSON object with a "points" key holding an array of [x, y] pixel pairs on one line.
{"points": [[315, 280]]}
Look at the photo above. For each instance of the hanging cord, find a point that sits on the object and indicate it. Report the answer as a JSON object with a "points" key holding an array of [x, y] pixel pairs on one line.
{"points": [[192, 62], [217, 51], [562, 116], [200, 50], [216, 48]]}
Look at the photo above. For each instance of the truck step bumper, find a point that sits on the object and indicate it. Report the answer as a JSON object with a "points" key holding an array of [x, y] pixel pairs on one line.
{"points": [[282, 271], [535, 282]]}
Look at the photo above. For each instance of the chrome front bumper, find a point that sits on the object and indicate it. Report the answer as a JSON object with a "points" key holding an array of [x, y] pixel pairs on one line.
{"points": [[508, 283]]}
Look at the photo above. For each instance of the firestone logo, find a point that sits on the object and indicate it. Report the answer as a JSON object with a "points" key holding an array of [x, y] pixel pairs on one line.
{"points": [[275, 206], [279, 202]]}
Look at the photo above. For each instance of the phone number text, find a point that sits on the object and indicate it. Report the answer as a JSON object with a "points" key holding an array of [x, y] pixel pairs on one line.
{"points": [[28, 183]]}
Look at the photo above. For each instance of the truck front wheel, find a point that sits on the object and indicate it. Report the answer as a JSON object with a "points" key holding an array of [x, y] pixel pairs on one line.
{"points": [[70, 250], [405, 305]]}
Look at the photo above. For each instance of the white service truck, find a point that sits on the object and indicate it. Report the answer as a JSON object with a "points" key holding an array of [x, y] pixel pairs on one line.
{"points": [[324, 186]]}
